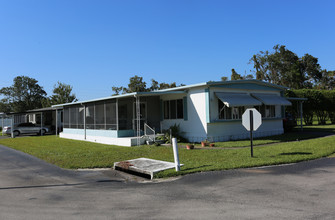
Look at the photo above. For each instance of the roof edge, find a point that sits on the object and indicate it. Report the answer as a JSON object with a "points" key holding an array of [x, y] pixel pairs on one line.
{"points": [[248, 81], [180, 89]]}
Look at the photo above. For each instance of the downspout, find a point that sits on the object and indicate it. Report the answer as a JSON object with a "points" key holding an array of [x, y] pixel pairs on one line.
{"points": [[12, 127], [207, 106]]}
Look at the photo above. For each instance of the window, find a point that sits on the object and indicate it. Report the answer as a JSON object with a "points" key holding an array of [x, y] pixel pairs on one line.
{"points": [[180, 108], [270, 111], [229, 113], [166, 109], [173, 109], [267, 111], [237, 112]]}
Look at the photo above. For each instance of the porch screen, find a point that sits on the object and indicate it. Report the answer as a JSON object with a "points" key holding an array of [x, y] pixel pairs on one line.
{"points": [[80, 118], [73, 117], [90, 116], [111, 116], [66, 120], [99, 116]]}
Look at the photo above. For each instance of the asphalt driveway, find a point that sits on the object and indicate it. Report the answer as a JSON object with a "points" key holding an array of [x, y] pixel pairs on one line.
{"points": [[33, 189]]}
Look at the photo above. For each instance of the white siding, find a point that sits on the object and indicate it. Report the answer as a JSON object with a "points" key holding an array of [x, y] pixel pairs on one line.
{"points": [[220, 130], [234, 130], [214, 113], [195, 127]]}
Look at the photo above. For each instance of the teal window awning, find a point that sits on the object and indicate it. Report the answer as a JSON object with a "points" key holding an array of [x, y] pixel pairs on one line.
{"points": [[271, 99], [237, 99]]}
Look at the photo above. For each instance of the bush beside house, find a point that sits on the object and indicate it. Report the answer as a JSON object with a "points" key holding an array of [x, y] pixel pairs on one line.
{"points": [[320, 104]]}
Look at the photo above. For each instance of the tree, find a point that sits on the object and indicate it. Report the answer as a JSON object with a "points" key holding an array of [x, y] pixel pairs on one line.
{"points": [[167, 85], [224, 78], [136, 84], [310, 68], [61, 94], [283, 67], [248, 76], [24, 94], [327, 80], [260, 65], [280, 67], [4, 107], [154, 85], [235, 75], [117, 90]]}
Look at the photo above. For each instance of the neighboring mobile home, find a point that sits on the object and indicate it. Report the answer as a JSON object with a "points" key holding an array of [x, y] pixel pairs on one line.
{"points": [[211, 110]]}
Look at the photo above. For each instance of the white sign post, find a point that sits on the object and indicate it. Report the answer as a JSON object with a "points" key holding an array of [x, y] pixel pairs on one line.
{"points": [[176, 154], [251, 120]]}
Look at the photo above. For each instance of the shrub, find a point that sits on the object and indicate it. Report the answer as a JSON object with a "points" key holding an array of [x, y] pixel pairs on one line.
{"points": [[174, 130], [320, 103]]}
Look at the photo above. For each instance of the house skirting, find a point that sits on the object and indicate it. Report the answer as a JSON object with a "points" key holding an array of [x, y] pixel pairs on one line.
{"points": [[111, 137], [124, 141], [234, 130]]}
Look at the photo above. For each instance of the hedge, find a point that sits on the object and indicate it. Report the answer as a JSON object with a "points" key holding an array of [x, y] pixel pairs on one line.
{"points": [[320, 103]]}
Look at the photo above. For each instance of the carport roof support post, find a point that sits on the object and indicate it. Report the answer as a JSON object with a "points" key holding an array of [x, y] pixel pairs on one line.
{"points": [[56, 122], [12, 127], [301, 126], [2, 125], [41, 123]]}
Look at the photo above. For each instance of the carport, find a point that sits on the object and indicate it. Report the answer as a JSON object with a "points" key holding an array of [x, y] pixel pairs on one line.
{"points": [[5, 121], [300, 108], [50, 117]]}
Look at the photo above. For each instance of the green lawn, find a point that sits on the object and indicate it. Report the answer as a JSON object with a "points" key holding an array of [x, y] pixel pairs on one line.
{"points": [[309, 132], [79, 154], [292, 136]]}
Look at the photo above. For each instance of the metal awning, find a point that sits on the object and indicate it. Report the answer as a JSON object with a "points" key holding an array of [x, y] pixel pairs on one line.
{"points": [[237, 99], [269, 99]]}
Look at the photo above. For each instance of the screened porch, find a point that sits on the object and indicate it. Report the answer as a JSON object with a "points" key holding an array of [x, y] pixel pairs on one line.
{"points": [[119, 117]]}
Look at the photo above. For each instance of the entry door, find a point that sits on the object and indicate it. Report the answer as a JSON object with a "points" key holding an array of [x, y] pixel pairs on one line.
{"points": [[143, 115]]}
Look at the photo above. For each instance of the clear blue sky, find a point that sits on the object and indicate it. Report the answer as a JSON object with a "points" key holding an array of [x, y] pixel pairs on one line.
{"points": [[94, 45]]}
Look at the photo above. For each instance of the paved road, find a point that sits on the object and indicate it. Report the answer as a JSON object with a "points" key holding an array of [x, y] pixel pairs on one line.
{"points": [[33, 189]]}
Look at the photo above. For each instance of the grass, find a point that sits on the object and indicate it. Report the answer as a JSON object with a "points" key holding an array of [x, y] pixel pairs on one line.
{"points": [[317, 128], [292, 136], [308, 133], [78, 154]]}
